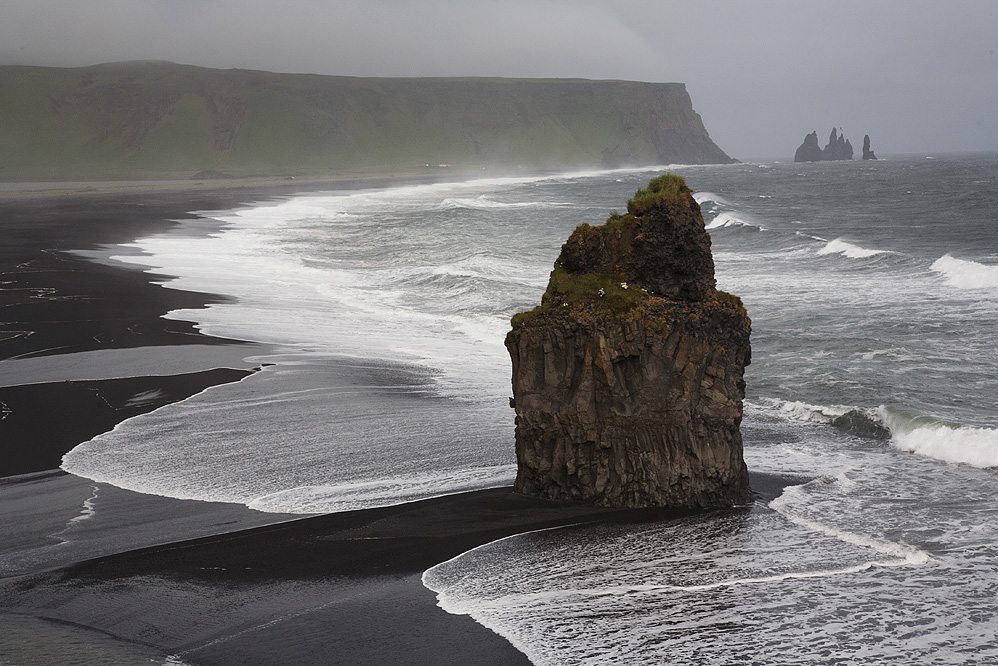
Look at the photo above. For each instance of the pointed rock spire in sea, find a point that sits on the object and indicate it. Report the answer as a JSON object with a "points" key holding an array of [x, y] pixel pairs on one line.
{"points": [[867, 151]]}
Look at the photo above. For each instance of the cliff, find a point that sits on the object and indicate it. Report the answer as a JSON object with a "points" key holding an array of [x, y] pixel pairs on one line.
{"points": [[837, 148], [628, 378], [162, 120]]}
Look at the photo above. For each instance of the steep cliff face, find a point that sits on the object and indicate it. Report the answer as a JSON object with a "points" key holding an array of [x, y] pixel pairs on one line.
{"points": [[628, 378], [128, 120]]}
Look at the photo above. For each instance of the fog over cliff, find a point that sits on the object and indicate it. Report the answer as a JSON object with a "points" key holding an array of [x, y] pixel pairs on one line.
{"points": [[761, 74]]}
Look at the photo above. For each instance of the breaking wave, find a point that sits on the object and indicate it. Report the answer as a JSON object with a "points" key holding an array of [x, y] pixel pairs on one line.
{"points": [[703, 197], [839, 246], [924, 435], [949, 442], [485, 203], [965, 274], [729, 220]]}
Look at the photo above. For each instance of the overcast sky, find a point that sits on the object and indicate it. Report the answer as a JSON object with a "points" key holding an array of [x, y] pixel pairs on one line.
{"points": [[917, 76]]}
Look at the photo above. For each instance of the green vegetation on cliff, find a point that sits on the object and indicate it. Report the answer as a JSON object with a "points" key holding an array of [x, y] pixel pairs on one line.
{"points": [[162, 120], [667, 188], [590, 277]]}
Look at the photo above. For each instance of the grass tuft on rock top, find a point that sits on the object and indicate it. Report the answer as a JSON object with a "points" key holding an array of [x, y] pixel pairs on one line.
{"points": [[580, 294], [568, 293], [667, 188]]}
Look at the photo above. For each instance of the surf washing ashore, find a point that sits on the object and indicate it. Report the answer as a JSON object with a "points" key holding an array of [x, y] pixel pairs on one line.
{"points": [[372, 388]]}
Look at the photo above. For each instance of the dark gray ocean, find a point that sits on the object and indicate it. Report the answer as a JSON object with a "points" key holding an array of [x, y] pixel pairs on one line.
{"points": [[873, 292]]}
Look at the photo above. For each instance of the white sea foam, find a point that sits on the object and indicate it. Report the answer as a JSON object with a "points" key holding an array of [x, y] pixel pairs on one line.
{"points": [[802, 411], [87, 511], [953, 443], [731, 220], [485, 203], [965, 274], [794, 496], [703, 197], [944, 441], [839, 246], [382, 492]]}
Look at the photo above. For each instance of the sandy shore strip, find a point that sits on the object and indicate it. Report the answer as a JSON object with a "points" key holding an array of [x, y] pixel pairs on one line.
{"points": [[335, 589]]}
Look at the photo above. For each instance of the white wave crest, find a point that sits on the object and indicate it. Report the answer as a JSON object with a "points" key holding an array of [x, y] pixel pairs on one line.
{"points": [[703, 197], [948, 442], [965, 274], [951, 443], [730, 220], [484, 203], [793, 497], [802, 411], [839, 246], [382, 492]]}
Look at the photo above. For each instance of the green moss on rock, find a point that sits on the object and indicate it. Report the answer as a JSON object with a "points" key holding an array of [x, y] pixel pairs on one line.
{"points": [[667, 188]]}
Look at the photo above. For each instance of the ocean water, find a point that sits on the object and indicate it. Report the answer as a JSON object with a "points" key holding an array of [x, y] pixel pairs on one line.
{"points": [[873, 290]]}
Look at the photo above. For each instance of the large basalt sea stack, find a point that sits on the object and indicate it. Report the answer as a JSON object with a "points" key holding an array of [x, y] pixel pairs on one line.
{"points": [[627, 379]]}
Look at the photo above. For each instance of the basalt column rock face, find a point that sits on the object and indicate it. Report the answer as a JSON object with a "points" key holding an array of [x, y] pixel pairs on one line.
{"points": [[628, 378]]}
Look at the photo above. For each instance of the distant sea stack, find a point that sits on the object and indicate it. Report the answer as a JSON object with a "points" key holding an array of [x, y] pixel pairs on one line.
{"points": [[628, 378], [837, 148], [867, 151], [163, 120]]}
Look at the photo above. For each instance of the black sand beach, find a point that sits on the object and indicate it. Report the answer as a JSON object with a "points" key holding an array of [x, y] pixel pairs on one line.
{"points": [[95, 574], [336, 589]]}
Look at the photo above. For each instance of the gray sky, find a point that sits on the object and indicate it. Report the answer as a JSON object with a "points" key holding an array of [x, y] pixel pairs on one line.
{"points": [[917, 76]]}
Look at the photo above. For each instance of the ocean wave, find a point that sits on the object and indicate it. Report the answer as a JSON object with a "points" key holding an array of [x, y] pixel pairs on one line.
{"points": [[484, 203], [924, 435], [382, 492], [730, 220], [937, 439], [703, 197], [966, 274], [793, 498], [839, 246]]}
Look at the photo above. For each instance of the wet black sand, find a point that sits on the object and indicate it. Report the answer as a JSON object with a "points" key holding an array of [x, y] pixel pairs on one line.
{"points": [[57, 304], [337, 589], [43, 421]]}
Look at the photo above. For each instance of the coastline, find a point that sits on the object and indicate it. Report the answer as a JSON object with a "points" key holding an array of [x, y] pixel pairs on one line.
{"points": [[20, 191], [208, 582], [80, 333], [340, 588]]}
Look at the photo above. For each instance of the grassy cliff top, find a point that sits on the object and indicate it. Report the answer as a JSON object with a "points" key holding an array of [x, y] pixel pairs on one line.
{"points": [[163, 120]]}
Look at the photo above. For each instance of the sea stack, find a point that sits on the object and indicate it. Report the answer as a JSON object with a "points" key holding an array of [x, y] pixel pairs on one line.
{"points": [[867, 151], [837, 148], [809, 151], [628, 378]]}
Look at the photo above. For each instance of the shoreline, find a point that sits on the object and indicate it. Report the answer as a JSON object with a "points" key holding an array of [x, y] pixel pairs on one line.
{"points": [[339, 588], [78, 330], [274, 185], [201, 580]]}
